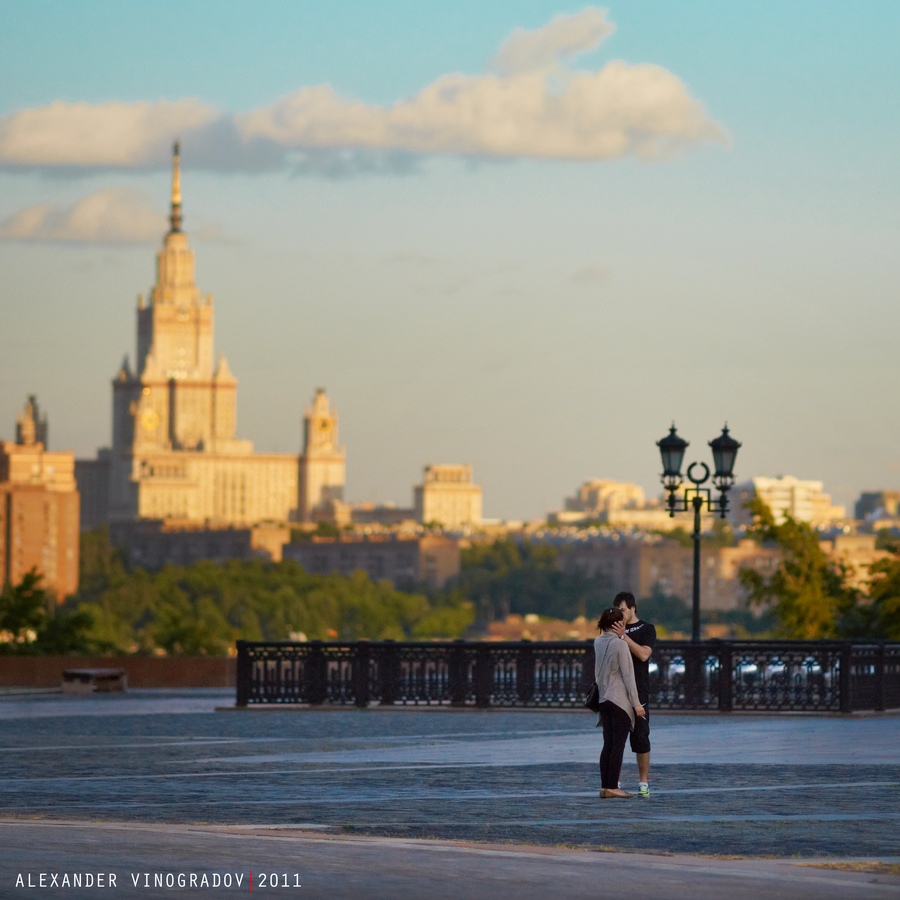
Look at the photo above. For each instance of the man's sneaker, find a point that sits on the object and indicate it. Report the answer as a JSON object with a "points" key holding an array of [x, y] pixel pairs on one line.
{"points": [[644, 790]]}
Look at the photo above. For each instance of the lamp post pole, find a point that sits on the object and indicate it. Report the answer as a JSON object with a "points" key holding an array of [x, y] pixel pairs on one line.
{"points": [[696, 497], [695, 604]]}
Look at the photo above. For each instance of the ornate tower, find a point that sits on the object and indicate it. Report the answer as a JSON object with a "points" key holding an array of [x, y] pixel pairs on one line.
{"points": [[31, 426], [323, 462], [177, 399], [174, 454]]}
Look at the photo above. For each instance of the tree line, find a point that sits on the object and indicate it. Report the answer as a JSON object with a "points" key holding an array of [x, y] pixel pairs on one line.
{"points": [[203, 609], [206, 607]]}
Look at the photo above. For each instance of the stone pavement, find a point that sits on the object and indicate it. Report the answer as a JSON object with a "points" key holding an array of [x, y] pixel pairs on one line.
{"points": [[463, 804]]}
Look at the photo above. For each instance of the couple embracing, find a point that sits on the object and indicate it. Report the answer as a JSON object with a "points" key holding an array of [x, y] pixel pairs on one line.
{"points": [[621, 670]]}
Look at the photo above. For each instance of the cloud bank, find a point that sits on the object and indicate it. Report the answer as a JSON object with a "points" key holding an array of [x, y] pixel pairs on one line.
{"points": [[115, 216], [529, 104], [562, 39]]}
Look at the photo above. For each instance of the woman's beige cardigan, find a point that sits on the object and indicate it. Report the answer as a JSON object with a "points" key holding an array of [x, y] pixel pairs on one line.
{"points": [[614, 673]]}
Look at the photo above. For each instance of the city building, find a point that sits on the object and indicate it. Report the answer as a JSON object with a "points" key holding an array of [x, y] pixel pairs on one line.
{"points": [[620, 505], [803, 501], [175, 454], [532, 627], [153, 544], [38, 508], [322, 463], [599, 496], [382, 515], [448, 497], [646, 565], [878, 504], [404, 561], [855, 553]]}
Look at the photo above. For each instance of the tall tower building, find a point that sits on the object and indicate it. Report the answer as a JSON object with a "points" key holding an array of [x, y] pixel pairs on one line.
{"points": [[177, 399], [174, 452], [323, 462]]}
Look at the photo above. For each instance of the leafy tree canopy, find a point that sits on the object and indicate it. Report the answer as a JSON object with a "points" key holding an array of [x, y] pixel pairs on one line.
{"points": [[523, 577], [31, 623], [807, 594], [204, 608]]}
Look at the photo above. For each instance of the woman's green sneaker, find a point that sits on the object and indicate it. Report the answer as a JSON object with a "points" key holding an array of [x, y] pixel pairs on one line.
{"points": [[644, 790]]}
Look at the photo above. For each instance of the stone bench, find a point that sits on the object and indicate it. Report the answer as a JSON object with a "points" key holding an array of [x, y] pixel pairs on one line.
{"points": [[86, 681]]}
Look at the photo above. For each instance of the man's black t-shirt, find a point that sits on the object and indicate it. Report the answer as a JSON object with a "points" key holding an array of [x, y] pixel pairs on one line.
{"points": [[642, 633]]}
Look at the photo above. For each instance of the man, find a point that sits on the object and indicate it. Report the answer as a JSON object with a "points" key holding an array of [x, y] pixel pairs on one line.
{"points": [[640, 637]]}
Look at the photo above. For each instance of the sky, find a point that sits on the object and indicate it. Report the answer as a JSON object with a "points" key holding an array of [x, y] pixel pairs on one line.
{"points": [[523, 235]]}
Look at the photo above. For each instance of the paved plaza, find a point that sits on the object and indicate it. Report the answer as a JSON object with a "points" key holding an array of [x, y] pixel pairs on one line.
{"points": [[402, 803]]}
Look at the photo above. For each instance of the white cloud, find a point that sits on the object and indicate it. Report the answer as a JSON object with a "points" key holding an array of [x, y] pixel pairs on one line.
{"points": [[530, 106], [562, 38], [106, 134], [619, 110], [115, 216]]}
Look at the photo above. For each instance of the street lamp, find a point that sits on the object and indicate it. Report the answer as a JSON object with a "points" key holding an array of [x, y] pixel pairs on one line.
{"points": [[724, 450]]}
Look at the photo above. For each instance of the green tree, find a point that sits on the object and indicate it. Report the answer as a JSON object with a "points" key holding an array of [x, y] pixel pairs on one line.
{"points": [[509, 576], [667, 612], [23, 611], [807, 595], [722, 534], [880, 617], [206, 607], [30, 621]]}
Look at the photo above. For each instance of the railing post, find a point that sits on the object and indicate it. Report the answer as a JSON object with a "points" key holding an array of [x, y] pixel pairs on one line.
{"points": [[846, 683], [361, 674], [587, 667], [388, 661], [880, 679], [457, 674], [244, 675], [483, 676], [726, 673], [693, 674], [525, 674], [316, 674]]}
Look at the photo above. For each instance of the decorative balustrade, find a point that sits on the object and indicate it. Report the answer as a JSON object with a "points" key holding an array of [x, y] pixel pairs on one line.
{"points": [[826, 676]]}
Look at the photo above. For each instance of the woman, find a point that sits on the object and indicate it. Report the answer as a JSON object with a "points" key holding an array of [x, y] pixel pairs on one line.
{"points": [[619, 703]]}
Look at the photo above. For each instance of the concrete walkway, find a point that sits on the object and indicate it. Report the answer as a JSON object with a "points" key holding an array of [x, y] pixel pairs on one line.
{"points": [[154, 860], [395, 803]]}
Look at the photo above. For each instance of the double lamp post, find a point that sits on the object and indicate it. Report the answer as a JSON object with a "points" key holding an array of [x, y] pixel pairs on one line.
{"points": [[724, 450]]}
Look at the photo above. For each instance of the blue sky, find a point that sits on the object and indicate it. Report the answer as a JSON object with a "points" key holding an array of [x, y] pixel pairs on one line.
{"points": [[523, 235]]}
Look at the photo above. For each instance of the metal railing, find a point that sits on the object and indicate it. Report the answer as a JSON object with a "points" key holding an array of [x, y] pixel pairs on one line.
{"points": [[820, 676]]}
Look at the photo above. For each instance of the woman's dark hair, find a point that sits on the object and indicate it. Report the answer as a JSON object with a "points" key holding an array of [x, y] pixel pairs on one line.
{"points": [[609, 617]]}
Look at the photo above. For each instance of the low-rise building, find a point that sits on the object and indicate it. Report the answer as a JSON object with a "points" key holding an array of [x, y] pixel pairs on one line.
{"points": [[384, 515], [531, 627], [620, 505], [646, 566], [400, 559], [878, 504], [856, 553], [803, 501], [153, 544], [599, 496]]}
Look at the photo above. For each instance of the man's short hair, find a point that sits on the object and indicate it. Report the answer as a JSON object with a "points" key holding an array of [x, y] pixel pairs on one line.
{"points": [[625, 597]]}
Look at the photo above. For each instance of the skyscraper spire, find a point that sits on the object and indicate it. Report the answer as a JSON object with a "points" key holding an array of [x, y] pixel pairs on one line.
{"points": [[175, 218]]}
